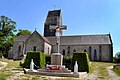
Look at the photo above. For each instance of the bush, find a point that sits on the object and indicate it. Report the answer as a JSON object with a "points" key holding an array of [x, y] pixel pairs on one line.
{"points": [[38, 59], [1, 54], [67, 61], [42, 60], [82, 60]]}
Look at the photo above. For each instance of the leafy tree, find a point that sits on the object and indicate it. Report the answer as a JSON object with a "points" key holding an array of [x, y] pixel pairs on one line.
{"points": [[7, 29], [23, 32], [117, 57]]}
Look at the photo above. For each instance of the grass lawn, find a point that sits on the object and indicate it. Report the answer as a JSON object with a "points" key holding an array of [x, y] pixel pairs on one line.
{"points": [[98, 68], [117, 71]]}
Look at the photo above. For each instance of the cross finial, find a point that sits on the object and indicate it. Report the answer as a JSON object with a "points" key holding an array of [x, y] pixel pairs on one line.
{"points": [[54, 7], [35, 29]]}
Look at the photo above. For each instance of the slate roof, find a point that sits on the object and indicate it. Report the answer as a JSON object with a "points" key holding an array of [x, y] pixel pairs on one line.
{"points": [[25, 37], [82, 39], [22, 38], [54, 13]]}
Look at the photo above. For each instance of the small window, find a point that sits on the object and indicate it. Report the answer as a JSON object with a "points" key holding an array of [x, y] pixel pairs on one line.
{"points": [[34, 48]]}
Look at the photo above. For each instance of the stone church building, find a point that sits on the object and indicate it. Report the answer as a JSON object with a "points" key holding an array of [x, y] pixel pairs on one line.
{"points": [[99, 47]]}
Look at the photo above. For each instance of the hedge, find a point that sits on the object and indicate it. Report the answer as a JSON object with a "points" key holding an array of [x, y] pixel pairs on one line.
{"points": [[38, 59], [82, 60]]}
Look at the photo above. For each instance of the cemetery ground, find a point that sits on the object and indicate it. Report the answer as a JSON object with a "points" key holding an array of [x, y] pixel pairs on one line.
{"points": [[10, 70]]}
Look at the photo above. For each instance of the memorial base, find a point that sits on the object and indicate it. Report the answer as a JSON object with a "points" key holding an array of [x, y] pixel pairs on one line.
{"points": [[56, 59]]}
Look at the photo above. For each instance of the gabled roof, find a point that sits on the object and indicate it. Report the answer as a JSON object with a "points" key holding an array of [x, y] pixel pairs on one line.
{"points": [[82, 39], [45, 39], [22, 38], [25, 37]]}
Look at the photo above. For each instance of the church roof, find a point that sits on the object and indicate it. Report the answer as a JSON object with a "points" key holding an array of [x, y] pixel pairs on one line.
{"points": [[82, 39], [25, 37], [22, 38]]}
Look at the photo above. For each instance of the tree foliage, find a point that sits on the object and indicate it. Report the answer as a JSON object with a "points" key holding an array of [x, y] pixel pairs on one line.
{"points": [[117, 57], [7, 29], [23, 32]]}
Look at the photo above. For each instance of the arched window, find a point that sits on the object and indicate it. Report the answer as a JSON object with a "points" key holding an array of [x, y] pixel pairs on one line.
{"points": [[19, 48], [100, 51], [85, 50], [74, 50], [95, 55], [48, 50], [63, 52], [90, 52], [34, 48], [68, 53]]}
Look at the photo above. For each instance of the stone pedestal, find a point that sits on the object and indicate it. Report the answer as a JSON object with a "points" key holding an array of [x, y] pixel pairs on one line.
{"points": [[56, 59]]}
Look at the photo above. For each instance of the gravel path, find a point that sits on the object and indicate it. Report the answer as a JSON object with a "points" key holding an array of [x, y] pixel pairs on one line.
{"points": [[4, 64], [112, 74]]}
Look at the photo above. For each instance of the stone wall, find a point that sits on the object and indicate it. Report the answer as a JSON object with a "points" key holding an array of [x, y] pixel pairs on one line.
{"points": [[95, 54], [34, 43], [18, 49], [47, 48]]}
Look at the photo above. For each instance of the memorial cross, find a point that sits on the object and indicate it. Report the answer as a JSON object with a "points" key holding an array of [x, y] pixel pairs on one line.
{"points": [[58, 33]]}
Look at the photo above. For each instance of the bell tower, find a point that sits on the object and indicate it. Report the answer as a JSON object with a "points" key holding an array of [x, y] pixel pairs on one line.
{"points": [[54, 18]]}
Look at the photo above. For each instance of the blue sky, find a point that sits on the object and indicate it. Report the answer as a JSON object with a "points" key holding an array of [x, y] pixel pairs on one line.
{"points": [[81, 16]]}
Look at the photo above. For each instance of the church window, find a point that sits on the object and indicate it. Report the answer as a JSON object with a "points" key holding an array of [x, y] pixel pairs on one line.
{"points": [[48, 50], [90, 52], [63, 52], [19, 48], [95, 55], [100, 52], [74, 50], [68, 50], [85, 50], [34, 48]]}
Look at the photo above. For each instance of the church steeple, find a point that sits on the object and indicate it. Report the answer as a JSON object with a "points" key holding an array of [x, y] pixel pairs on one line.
{"points": [[53, 18]]}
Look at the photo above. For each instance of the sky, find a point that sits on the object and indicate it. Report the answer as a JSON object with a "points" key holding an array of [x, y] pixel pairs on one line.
{"points": [[82, 17]]}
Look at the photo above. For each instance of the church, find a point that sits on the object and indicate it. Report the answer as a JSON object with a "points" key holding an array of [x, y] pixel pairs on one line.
{"points": [[99, 47]]}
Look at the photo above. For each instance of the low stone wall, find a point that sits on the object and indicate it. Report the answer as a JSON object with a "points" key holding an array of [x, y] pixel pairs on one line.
{"points": [[36, 72]]}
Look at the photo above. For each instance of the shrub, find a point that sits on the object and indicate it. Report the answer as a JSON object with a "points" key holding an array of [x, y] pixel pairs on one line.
{"points": [[67, 61], [82, 60], [116, 59], [38, 59]]}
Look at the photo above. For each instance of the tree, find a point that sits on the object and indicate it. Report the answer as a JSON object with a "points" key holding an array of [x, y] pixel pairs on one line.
{"points": [[117, 57], [7, 29], [23, 32]]}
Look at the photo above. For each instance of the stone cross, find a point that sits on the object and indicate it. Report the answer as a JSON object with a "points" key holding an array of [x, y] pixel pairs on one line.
{"points": [[58, 33]]}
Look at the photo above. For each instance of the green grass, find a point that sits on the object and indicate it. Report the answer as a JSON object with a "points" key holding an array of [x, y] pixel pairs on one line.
{"points": [[117, 71], [2, 77], [98, 68]]}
